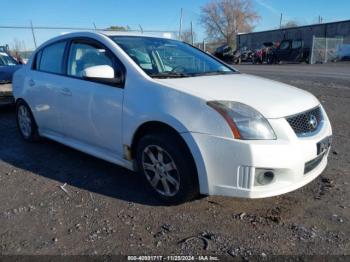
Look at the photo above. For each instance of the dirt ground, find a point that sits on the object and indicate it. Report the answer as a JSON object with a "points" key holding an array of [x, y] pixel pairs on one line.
{"points": [[55, 200]]}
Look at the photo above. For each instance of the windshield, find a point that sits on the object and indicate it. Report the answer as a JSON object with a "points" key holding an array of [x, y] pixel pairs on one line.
{"points": [[166, 58], [6, 60]]}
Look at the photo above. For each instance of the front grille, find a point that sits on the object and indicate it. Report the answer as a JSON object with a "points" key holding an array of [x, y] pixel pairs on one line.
{"points": [[306, 122]]}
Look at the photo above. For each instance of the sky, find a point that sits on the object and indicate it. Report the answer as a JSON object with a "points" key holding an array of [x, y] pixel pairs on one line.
{"points": [[150, 14]]}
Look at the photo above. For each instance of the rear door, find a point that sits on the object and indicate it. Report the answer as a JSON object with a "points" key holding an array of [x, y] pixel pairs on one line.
{"points": [[44, 84], [296, 51], [91, 111]]}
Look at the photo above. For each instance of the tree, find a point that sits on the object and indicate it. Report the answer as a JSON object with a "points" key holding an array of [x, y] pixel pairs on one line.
{"points": [[186, 36], [223, 19], [18, 45], [118, 28], [290, 24]]}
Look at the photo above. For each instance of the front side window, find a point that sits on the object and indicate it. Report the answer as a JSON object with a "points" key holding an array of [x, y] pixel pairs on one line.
{"points": [[166, 58], [284, 45], [84, 55], [51, 58]]}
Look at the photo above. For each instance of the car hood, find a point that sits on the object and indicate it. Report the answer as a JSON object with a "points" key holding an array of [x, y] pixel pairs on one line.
{"points": [[272, 99], [6, 72]]}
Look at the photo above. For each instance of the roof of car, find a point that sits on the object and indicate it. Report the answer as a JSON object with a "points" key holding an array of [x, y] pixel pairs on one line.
{"points": [[116, 33], [128, 33], [101, 33]]}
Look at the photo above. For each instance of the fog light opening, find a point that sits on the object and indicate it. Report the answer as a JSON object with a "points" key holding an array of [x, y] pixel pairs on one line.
{"points": [[264, 177]]}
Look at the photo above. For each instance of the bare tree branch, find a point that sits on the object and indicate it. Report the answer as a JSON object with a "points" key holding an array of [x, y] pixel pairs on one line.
{"points": [[186, 36], [291, 23], [223, 19]]}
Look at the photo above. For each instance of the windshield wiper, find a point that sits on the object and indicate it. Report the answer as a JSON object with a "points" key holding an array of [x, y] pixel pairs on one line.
{"points": [[210, 73], [169, 75], [179, 75]]}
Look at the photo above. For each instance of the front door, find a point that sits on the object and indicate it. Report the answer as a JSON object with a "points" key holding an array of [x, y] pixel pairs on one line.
{"points": [[91, 111], [283, 52], [296, 54]]}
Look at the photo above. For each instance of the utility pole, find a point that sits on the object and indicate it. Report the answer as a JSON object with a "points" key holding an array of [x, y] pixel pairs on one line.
{"points": [[281, 21], [141, 29], [192, 40], [180, 29], [31, 25]]}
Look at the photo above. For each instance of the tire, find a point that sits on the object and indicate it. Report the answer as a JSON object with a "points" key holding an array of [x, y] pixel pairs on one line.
{"points": [[25, 122], [253, 60], [156, 153], [269, 59], [307, 60]]}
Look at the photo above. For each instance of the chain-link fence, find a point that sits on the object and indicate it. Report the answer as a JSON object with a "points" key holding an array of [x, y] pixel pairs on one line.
{"points": [[329, 49]]}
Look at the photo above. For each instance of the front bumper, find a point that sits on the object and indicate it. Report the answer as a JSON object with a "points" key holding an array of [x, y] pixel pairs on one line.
{"points": [[228, 166], [6, 96], [6, 100]]}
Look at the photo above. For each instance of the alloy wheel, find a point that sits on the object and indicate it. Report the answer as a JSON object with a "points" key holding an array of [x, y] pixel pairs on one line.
{"points": [[24, 120], [160, 170]]}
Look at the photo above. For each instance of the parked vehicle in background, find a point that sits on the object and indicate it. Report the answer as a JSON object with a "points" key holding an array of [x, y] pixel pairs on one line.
{"points": [[228, 55], [4, 49], [187, 122], [8, 65], [243, 55], [285, 51], [343, 52], [225, 53], [263, 54], [290, 51]]}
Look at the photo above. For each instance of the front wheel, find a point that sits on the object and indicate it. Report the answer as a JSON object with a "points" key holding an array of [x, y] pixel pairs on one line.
{"points": [[168, 168]]}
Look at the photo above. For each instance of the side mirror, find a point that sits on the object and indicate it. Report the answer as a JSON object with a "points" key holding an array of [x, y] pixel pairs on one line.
{"points": [[101, 73]]}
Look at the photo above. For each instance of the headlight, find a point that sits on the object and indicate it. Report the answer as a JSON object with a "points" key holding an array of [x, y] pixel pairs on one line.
{"points": [[245, 122]]}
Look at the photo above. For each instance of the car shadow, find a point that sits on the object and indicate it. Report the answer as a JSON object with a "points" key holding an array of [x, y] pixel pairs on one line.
{"points": [[66, 165]]}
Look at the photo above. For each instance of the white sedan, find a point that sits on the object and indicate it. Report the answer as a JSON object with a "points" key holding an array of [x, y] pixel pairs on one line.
{"points": [[187, 122]]}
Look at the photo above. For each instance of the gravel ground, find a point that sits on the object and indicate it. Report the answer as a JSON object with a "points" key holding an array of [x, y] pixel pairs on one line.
{"points": [[55, 200]]}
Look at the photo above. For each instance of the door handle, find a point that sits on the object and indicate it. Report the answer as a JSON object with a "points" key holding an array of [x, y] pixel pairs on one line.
{"points": [[31, 82], [65, 91]]}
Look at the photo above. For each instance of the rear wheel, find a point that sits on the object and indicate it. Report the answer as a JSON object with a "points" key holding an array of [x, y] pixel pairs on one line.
{"points": [[167, 167], [307, 60], [26, 123]]}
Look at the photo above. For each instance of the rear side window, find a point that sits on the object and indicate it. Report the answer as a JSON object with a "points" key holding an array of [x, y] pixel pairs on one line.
{"points": [[50, 59], [296, 44]]}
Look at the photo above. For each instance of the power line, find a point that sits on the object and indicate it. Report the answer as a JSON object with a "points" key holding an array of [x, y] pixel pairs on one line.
{"points": [[77, 28]]}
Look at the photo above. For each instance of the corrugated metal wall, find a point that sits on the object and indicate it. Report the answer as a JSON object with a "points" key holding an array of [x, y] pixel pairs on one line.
{"points": [[336, 29]]}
